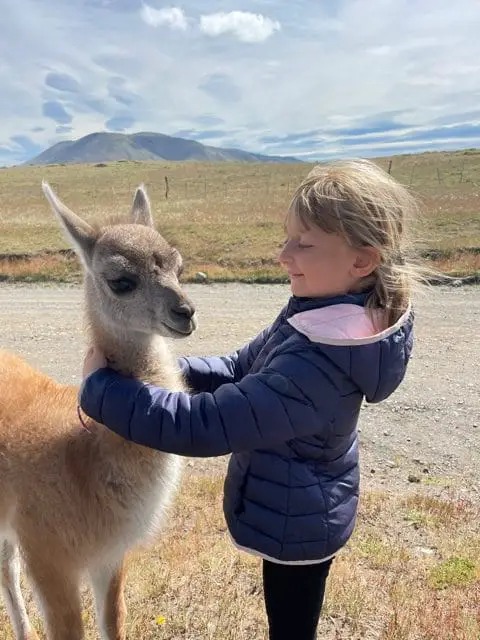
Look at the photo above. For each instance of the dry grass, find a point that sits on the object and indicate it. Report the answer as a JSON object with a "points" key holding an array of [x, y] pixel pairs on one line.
{"points": [[458, 264], [402, 576], [59, 267], [227, 218], [62, 267]]}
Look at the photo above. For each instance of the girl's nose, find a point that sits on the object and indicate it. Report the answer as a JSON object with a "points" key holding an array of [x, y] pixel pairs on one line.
{"points": [[284, 255]]}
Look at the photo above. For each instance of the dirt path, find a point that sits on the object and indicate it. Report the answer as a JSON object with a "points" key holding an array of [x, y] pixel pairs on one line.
{"points": [[430, 427]]}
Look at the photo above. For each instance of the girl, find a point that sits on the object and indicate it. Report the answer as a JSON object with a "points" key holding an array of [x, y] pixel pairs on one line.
{"points": [[286, 405]]}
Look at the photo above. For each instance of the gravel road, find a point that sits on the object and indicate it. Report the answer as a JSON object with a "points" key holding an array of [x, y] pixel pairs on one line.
{"points": [[429, 428]]}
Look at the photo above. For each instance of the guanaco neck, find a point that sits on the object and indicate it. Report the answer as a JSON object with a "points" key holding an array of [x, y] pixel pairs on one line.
{"points": [[144, 357], [132, 353], [135, 354]]}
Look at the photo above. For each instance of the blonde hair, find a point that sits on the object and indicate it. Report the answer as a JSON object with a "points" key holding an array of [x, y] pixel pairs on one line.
{"points": [[362, 203]]}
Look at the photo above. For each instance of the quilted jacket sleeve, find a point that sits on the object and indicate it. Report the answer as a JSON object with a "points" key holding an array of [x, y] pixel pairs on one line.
{"points": [[208, 373], [294, 396]]}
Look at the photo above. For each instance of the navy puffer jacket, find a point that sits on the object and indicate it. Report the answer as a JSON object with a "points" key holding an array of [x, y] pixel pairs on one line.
{"points": [[286, 407]]}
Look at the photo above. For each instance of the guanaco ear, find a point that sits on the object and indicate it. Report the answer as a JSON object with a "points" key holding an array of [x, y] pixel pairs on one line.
{"points": [[79, 233], [141, 212]]}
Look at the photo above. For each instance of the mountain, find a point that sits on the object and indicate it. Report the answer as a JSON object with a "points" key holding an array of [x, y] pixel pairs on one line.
{"points": [[108, 147]]}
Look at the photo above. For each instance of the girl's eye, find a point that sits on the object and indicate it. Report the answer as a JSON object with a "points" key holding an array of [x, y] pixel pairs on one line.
{"points": [[299, 244]]}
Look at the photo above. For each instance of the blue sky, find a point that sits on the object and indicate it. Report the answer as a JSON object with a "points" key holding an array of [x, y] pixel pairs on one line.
{"points": [[310, 78]]}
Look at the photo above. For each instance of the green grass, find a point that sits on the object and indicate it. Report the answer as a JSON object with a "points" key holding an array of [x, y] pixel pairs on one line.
{"points": [[226, 218], [454, 572]]}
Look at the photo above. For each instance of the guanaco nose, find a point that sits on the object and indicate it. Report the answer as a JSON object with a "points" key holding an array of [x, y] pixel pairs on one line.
{"points": [[184, 311]]}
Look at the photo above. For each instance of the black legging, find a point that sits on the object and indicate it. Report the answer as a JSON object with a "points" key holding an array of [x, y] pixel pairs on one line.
{"points": [[293, 598]]}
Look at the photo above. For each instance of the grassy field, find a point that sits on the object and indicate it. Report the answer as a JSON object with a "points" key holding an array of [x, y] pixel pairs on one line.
{"points": [[226, 219], [410, 572]]}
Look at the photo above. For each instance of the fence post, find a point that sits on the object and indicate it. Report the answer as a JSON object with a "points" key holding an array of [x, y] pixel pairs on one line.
{"points": [[411, 175], [166, 188], [390, 166], [438, 175]]}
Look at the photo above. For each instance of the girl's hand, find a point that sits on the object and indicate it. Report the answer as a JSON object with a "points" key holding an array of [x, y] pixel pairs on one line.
{"points": [[93, 360]]}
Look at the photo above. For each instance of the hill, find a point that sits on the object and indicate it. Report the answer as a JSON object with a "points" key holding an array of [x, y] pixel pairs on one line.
{"points": [[145, 146]]}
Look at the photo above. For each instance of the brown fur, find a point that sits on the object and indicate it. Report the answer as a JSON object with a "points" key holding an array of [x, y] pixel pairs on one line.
{"points": [[74, 500]]}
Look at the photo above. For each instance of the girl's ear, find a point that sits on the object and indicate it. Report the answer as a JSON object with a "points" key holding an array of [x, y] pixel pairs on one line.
{"points": [[366, 261]]}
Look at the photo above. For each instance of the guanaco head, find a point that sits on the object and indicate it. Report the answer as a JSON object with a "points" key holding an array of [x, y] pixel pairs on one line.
{"points": [[131, 271]]}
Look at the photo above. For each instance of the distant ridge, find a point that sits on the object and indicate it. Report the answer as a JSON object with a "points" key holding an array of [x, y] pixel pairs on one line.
{"points": [[108, 147]]}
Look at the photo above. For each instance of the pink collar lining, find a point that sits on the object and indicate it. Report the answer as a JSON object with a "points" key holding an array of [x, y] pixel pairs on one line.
{"points": [[344, 324]]}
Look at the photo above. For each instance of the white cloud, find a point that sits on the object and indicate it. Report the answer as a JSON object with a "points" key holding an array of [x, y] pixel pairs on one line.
{"points": [[417, 68], [382, 50], [172, 17], [247, 27]]}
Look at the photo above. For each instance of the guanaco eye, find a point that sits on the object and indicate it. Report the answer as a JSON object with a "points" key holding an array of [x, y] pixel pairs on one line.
{"points": [[122, 285]]}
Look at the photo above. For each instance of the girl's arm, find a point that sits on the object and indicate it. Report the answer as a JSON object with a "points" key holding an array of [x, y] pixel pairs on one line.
{"points": [[296, 396], [208, 373]]}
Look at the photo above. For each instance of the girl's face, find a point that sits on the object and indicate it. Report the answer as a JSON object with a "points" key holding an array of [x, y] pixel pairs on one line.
{"points": [[322, 264]]}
